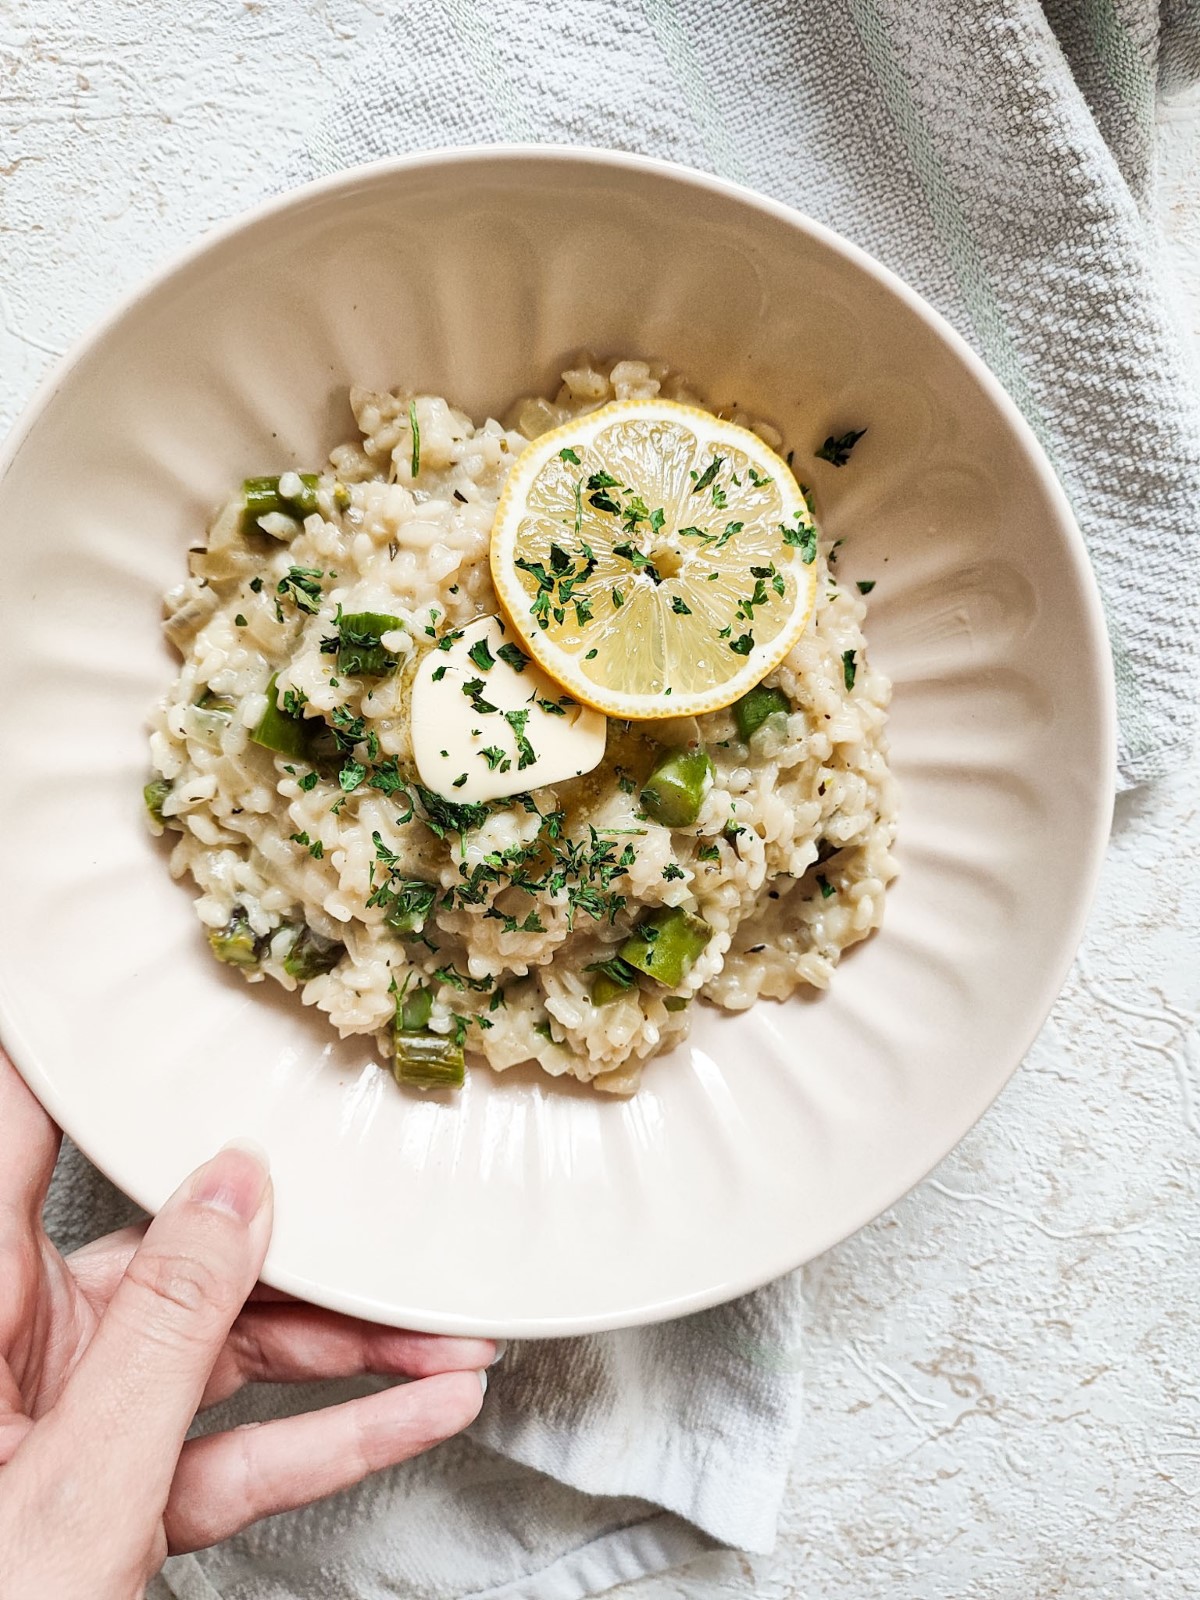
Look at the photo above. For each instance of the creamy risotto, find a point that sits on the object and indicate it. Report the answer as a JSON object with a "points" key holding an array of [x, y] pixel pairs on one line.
{"points": [[613, 874]]}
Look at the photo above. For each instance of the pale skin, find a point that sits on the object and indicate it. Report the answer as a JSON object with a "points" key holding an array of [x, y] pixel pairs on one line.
{"points": [[106, 1357]]}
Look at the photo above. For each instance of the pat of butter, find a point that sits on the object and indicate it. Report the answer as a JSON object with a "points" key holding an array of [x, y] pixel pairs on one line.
{"points": [[483, 732]]}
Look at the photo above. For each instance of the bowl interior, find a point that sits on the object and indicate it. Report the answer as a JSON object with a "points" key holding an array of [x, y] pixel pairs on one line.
{"points": [[528, 1207]]}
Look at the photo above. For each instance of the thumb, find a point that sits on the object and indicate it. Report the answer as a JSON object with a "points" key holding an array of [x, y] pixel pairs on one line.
{"points": [[129, 1403]]}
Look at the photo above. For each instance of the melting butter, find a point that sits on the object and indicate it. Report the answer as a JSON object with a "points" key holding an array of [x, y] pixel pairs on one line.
{"points": [[488, 723]]}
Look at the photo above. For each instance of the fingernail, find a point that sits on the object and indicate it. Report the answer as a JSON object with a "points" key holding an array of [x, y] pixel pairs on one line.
{"points": [[235, 1180], [482, 1376], [501, 1347]]}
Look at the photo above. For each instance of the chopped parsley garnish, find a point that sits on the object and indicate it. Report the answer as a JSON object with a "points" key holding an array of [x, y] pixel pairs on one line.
{"points": [[758, 479], [256, 585], [638, 559], [388, 779], [481, 655], [707, 476], [460, 780], [314, 846], [348, 730], [407, 903], [514, 656], [239, 621], [598, 485], [672, 870], [708, 852], [731, 528], [618, 599], [552, 708], [439, 672], [473, 689], [463, 980], [742, 645], [415, 429], [849, 668], [526, 754], [680, 607], [302, 585], [495, 758], [308, 782], [802, 537], [351, 775], [836, 449], [865, 585], [825, 886], [569, 455], [447, 816]]}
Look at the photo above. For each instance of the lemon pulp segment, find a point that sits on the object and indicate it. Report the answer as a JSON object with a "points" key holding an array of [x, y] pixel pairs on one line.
{"points": [[654, 559]]}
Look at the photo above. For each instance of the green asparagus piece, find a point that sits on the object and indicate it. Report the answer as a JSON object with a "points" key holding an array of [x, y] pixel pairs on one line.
{"points": [[310, 955], [360, 654], [236, 942], [411, 903], [665, 945], [676, 1002], [427, 1060], [415, 1007], [261, 497], [605, 989], [753, 709], [155, 792], [676, 787], [276, 730], [613, 979]]}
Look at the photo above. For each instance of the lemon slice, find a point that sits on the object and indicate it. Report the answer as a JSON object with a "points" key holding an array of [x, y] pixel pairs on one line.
{"points": [[654, 560]]}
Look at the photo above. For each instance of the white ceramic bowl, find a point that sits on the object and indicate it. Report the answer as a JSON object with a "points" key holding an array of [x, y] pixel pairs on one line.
{"points": [[527, 1207]]}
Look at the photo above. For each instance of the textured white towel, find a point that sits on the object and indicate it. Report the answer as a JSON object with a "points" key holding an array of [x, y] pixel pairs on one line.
{"points": [[998, 154]]}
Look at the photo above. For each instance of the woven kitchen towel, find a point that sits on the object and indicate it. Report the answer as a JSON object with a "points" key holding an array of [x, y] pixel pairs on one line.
{"points": [[999, 155]]}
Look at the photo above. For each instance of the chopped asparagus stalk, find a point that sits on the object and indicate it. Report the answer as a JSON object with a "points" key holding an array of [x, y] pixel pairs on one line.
{"points": [[605, 989], [613, 979], [676, 787], [261, 498], [665, 945], [277, 730], [411, 903], [311, 955], [754, 708], [427, 1060], [415, 1009], [235, 943], [154, 794], [360, 654]]}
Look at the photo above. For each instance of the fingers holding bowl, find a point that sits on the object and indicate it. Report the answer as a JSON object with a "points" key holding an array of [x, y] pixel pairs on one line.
{"points": [[289, 1342], [31, 1143], [229, 1480]]}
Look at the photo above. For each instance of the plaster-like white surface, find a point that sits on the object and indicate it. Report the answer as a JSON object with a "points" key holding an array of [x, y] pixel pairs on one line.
{"points": [[1004, 1371]]}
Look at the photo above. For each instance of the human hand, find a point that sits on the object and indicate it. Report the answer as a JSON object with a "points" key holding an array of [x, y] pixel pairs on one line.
{"points": [[107, 1355]]}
